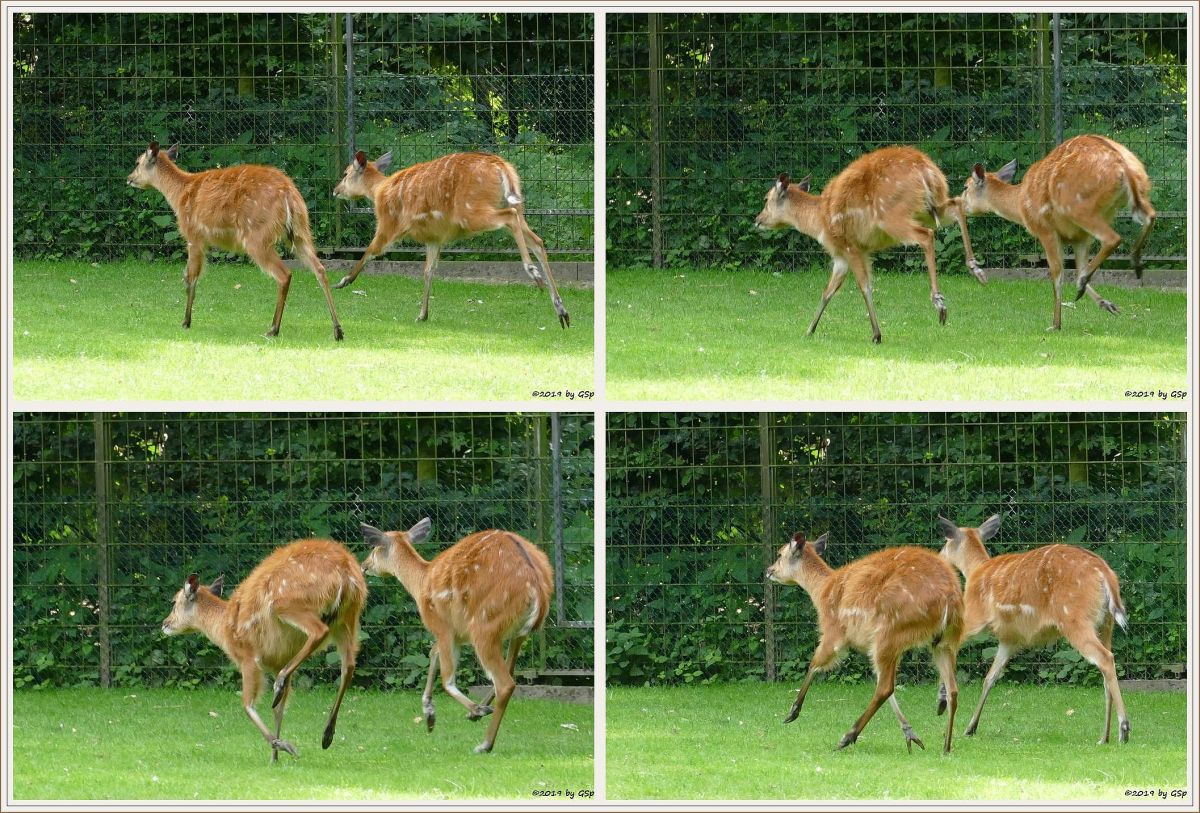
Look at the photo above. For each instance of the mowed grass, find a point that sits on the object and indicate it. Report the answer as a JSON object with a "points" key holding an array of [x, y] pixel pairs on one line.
{"points": [[189, 745], [1034, 743], [714, 335], [112, 331]]}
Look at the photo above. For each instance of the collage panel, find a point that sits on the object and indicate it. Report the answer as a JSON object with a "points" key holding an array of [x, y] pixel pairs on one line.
{"points": [[1006, 191], [774, 580], [179, 168], [166, 562]]}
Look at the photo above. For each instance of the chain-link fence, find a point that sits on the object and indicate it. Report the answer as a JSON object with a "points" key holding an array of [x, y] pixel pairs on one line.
{"points": [[699, 504], [297, 91], [705, 110], [112, 511]]}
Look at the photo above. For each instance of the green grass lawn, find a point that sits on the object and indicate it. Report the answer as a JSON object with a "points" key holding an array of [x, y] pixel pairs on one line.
{"points": [[174, 744], [716, 335], [1034, 743], [112, 331]]}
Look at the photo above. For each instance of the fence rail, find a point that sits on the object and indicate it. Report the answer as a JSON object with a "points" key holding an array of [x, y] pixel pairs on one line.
{"points": [[699, 504], [705, 110], [111, 511]]}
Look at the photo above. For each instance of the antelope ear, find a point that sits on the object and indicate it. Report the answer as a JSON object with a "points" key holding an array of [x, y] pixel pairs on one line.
{"points": [[990, 527], [153, 149], [797, 543], [948, 529], [360, 160], [218, 585], [191, 585], [384, 161], [373, 535], [784, 180], [978, 173], [1007, 171], [420, 532], [819, 545], [804, 182], [173, 151]]}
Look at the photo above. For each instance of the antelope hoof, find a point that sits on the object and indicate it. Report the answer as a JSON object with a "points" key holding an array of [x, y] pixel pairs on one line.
{"points": [[338, 335], [479, 712], [327, 739], [978, 272], [1138, 268], [422, 317], [272, 333], [346, 280], [187, 322], [910, 739], [850, 738], [1110, 307], [535, 274], [1124, 731], [1080, 290], [279, 682], [941, 707], [970, 732], [484, 747], [876, 339], [564, 319], [283, 745], [430, 716]]}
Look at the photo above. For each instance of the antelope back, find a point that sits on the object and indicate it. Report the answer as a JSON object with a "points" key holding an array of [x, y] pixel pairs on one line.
{"points": [[907, 595], [1054, 585], [493, 583], [889, 182], [318, 576]]}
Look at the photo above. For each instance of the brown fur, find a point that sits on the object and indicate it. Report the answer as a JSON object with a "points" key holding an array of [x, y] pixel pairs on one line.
{"points": [[299, 599], [440, 201], [1033, 599], [883, 605], [1067, 198], [488, 587], [892, 196], [246, 209]]}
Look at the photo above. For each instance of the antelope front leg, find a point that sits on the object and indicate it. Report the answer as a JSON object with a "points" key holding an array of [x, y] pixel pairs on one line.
{"points": [[251, 683], [431, 259], [377, 246], [821, 659], [521, 231], [195, 265], [960, 215]]}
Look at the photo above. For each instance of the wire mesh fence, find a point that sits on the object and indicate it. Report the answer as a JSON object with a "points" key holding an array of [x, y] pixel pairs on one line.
{"points": [[705, 110], [112, 511], [699, 504], [297, 91]]}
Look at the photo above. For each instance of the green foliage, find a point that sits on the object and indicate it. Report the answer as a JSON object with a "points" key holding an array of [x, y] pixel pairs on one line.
{"points": [[215, 493], [688, 539], [745, 97], [91, 90]]}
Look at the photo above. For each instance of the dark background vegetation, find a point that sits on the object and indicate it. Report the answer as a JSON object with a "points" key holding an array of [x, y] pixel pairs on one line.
{"points": [[100, 550], [699, 504], [745, 97], [90, 91]]}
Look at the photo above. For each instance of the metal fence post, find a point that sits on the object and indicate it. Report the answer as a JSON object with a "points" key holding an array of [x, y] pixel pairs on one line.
{"points": [[350, 86], [766, 447], [656, 235], [339, 114], [1058, 111], [557, 510], [100, 431], [1045, 82]]}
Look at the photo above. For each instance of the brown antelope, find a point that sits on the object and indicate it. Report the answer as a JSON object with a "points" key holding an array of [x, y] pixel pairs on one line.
{"points": [[440, 201], [883, 605], [1033, 599], [246, 209], [1069, 197], [892, 196], [486, 588], [299, 599]]}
